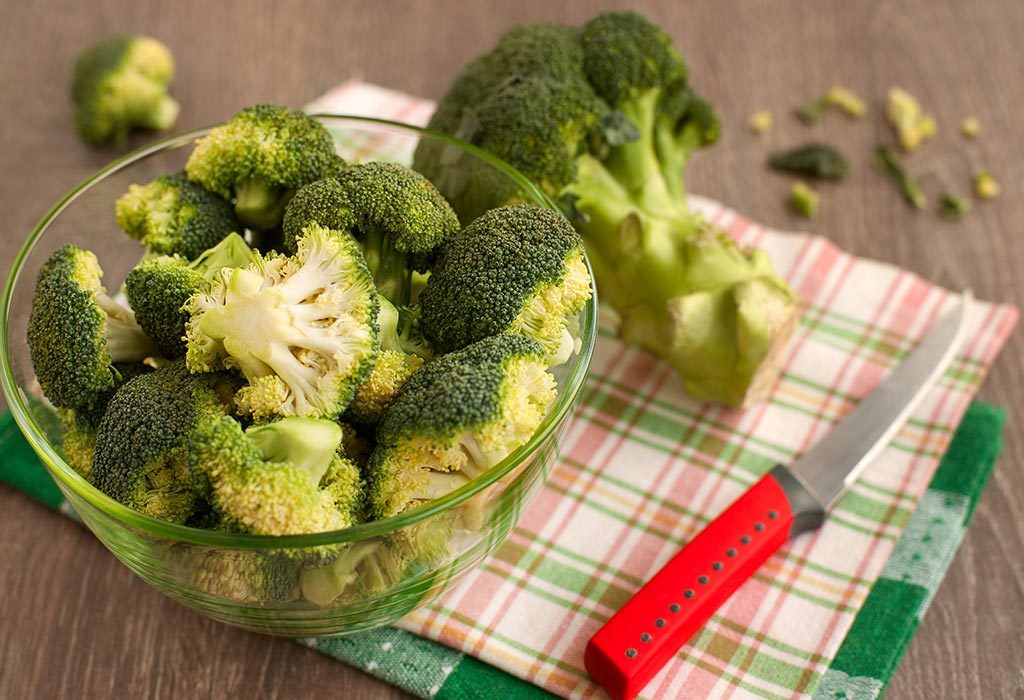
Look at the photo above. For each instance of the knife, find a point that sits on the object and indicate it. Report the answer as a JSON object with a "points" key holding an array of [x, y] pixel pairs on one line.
{"points": [[786, 502]]}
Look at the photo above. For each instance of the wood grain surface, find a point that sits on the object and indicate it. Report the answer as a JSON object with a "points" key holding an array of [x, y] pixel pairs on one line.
{"points": [[75, 623]]}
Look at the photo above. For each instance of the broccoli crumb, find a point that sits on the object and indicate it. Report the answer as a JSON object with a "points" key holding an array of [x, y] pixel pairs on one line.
{"points": [[760, 121], [970, 127], [846, 100], [913, 126], [953, 207], [986, 186], [804, 200]]}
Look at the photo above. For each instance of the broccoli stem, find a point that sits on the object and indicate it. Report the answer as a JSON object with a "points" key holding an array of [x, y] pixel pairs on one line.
{"points": [[259, 205], [388, 267]]}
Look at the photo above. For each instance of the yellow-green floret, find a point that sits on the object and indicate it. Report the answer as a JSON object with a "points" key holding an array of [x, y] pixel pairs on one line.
{"points": [[302, 329], [159, 287], [241, 575], [260, 157], [516, 269], [323, 202], [76, 331], [400, 219], [455, 418], [146, 439], [173, 216], [121, 83]]}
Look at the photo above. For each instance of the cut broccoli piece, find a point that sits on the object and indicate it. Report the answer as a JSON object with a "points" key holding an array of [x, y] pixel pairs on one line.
{"points": [[804, 200], [986, 186], [145, 441], [273, 492], [912, 125], [604, 121], [174, 216], [76, 332], [953, 207], [812, 160], [302, 329], [121, 83], [401, 220], [322, 202], [891, 166], [159, 287], [517, 269], [241, 575], [455, 418], [307, 443], [260, 157]]}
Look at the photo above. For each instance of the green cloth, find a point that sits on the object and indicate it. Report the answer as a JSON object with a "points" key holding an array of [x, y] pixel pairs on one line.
{"points": [[860, 670]]}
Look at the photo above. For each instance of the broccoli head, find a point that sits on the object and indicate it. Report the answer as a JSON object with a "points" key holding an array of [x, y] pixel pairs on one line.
{"points": [[145, 440], [322, 202], [121, 83], [455, 418], [159, 287], [604, 121], [302, 329], [173, 216], [400, 219], [76, 332], [260, 157], [517, 269], [265, 483]]}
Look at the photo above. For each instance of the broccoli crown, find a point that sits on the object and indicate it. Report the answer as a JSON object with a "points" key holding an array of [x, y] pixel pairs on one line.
{"points": [[159, 287], [256, 494], [302, 329], [121, 83], [76, 331], [242, 575], [173, 216], [323, 202], [455, 418], [516, 269], [144, 441], [124, 372], [259, 157]]}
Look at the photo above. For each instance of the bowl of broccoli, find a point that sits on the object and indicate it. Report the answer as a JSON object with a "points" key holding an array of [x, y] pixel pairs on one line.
{"points": [[281, 380]]}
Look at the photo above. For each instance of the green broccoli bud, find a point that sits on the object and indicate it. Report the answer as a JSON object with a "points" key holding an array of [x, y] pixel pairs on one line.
{"points": [[951, 207], [301, 329], [121, 83], [76, 332], [323, 202], [813, 160], [913, 126], [804, 200]]}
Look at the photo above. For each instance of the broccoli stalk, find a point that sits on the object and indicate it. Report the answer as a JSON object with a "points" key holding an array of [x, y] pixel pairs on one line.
{"points": [[604, 121]]}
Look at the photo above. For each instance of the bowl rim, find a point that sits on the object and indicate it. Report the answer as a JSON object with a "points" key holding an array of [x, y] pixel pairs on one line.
{"points": [[151, 525]]}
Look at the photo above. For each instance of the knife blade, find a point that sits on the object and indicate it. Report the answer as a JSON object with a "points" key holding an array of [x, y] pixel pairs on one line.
{"points": [[649, 629]]}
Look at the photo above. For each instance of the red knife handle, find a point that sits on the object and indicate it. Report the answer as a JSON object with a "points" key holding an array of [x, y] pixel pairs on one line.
{"points": [[662, 616]]}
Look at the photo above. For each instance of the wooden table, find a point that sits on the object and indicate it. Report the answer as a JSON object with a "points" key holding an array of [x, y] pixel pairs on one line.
{"points": [[75, 623]]}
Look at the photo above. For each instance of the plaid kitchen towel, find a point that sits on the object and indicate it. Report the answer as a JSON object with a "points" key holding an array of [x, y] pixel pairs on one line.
{"points": [[647, 468]]}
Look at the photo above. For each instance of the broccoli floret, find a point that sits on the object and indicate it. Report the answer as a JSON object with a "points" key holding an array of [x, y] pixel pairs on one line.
{"points": [[517, 269], [307, 443], [76, 332], [390, 372], [400, 219], [159, 287], [173, 216], [266, 485], [302, 329], [323, 202], [604, 121], [242, 575], [145, 440], [121, 83], [455, 418], [260, 157]]}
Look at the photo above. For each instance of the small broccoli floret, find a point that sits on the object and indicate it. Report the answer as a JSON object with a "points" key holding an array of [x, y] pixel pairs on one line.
{"points": [[913, 126], [271, 492], [455, 418], [159, 287], [121, 83], [242, 575], [145, 440], [260, 157], [517, 269], [400, 219], [812, 160], [76, 332], [78, 441], [302, 329], [390, 372], [174, 216], [604, 121], [323, 202]]}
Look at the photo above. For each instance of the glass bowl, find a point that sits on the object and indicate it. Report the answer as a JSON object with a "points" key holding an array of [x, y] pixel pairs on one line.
{"points": [[279, 585]]}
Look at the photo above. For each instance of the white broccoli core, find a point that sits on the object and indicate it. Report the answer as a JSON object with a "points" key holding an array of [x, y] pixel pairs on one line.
{"points": [[298, 328]]}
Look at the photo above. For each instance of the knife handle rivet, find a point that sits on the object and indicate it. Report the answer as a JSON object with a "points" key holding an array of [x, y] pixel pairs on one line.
{"points": [[674, 607], [631, 653], [660, 622], [745, 539], [730, 552], [773, 515], [689, 593], [759, 527], [645, 637], [717, 566], [703, 580]]}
